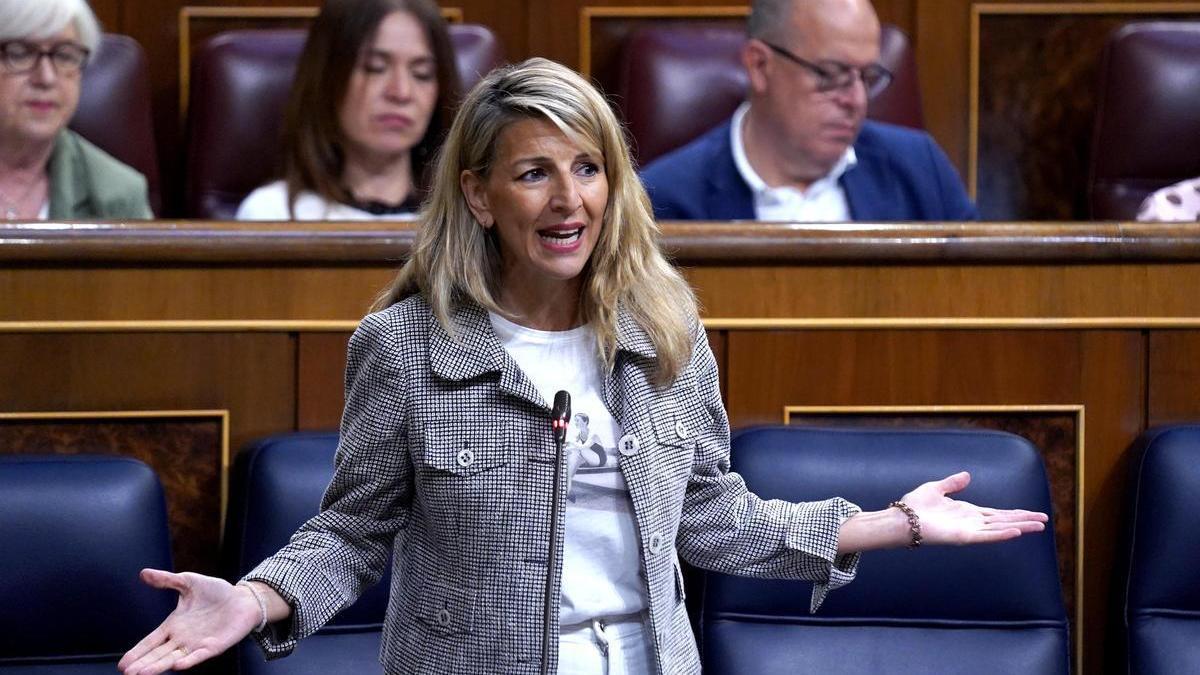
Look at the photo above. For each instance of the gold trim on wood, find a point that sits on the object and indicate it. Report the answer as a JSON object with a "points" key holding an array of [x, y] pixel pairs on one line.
{"points": [[977, 12], [180, 326], [952, 323], [589, 12], [219, 414], [715, 323], [187, 13], [1078, 410]]}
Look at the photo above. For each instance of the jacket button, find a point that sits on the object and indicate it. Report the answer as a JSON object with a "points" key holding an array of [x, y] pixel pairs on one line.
{"points": [[681, 429], [628, 445], [443, 618], [657, 543], [466, 457]]}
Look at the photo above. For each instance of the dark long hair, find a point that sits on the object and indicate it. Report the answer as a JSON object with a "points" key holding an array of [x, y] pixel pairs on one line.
{"points": [[313, 147]]}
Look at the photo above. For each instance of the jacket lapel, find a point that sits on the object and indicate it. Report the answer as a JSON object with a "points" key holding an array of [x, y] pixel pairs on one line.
{"points": [[632, 342], [728, 197], [474, 351], [869, 188], [68, 180]]}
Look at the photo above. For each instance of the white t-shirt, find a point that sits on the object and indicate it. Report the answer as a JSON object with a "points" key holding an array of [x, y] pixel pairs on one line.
{"points": [[600, 554], [270, 202], [824, 201]]}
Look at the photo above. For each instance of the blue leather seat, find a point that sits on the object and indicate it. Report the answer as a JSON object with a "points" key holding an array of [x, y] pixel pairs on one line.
{"points": [[75, 530], [1162, 596], [277, 485], [994, 608]]}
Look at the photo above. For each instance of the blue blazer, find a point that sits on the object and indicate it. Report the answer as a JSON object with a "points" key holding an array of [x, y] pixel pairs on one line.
{"points": [[901, 175]]}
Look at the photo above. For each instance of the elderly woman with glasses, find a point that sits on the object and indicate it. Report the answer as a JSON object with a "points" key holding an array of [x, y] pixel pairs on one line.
{"points": [[46, 170]]}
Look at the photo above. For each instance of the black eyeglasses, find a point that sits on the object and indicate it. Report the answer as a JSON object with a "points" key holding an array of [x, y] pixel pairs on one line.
{"points": [[835, 75], [67, 58]]}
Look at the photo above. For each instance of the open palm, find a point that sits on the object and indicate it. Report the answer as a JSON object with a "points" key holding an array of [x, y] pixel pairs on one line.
{"points": [[212, 616], [945, 520]]}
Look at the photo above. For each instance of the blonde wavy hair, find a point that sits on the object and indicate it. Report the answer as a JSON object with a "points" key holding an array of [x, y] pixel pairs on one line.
{"points": [[455, 260]]}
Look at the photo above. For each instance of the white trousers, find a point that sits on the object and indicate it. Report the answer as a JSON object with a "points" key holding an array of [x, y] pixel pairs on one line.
{"points": [[618, 648]]}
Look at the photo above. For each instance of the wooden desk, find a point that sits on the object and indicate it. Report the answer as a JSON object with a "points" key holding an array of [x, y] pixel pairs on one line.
{"points": [[177, 342]]}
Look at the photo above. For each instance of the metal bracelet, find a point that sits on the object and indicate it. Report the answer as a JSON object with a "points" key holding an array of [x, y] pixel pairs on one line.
{"points": [[914, 523], [262, 605]]}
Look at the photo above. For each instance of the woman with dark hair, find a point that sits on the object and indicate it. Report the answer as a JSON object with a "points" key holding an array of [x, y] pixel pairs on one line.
{"points": [[373, 96], [537, 270]]}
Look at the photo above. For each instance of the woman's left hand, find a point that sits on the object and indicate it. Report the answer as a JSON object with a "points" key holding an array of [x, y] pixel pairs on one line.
{"points": [[945, 520]]}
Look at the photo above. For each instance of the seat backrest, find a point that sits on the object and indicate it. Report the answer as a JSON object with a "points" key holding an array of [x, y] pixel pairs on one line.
{"points": [[76, 530], [114, 108], [679, 80], [1162, 592], [238, 91], [277, 485], [1147, 132], [936, 609]]}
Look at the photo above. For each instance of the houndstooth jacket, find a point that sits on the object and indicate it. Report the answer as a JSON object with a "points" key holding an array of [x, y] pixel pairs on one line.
{"points": [[446, 459]]}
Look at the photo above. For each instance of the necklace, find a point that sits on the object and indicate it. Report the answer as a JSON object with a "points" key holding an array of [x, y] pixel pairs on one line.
{"points": [[13, 206]]}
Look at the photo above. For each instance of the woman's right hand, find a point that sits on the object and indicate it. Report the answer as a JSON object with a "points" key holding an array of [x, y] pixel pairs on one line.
{"points": [[212, 616]]}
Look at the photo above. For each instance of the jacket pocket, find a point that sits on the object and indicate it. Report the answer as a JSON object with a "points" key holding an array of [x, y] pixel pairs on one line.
{"points": [[451, 448], [446, 610], [464, 483], [676, 424]]}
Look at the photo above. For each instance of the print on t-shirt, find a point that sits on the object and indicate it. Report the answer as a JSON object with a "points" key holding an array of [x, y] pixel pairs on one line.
{"points": [[596, 480]]}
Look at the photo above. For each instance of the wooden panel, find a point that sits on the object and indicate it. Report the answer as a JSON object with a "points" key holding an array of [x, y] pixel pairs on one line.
{"points": [[809, 293], [933, 291], [1174, 377], [942, 42], [319, 380], [771, 369], [251, 375], [132, 294], [1038, 77], [187, 453], [1112, 386]]}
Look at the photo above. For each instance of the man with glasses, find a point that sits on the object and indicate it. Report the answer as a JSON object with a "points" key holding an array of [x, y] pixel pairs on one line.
{"points": [[799, 148], [46, 170]]}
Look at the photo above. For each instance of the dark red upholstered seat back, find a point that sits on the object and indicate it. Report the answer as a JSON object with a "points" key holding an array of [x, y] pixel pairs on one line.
{"points": [[114, 108], [1148, 118], [239, 88], [679, 80]]}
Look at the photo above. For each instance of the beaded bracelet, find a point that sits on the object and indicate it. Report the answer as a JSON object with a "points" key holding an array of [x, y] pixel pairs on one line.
{"points": [[262, 605], [914, 523]]}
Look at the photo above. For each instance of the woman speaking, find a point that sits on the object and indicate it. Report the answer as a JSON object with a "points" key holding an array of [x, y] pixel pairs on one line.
{"points": [[537, 270]]}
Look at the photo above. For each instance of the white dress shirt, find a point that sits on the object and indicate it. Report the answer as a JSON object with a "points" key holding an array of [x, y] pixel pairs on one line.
{"points": [[823, 202]]}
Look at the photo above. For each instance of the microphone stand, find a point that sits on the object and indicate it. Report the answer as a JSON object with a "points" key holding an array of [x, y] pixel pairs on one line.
{"points": [[560, 417]]}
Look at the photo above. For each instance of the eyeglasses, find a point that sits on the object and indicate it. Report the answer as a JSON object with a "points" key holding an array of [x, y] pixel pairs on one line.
{"points": [[67, 58], [835, 75]]}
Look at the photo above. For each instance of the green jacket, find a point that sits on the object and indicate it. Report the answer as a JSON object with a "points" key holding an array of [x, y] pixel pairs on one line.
{"points": [[87, 183]]}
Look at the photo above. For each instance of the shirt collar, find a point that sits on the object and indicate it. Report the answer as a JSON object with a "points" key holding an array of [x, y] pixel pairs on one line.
{"points": [[757, 185]]}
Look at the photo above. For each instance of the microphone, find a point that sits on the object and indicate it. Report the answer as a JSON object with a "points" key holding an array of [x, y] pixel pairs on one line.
{"points": [[560, 418]]}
